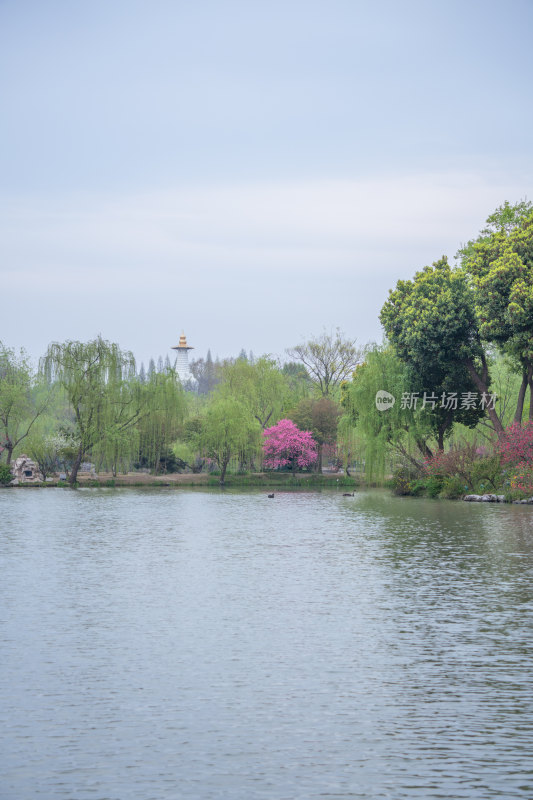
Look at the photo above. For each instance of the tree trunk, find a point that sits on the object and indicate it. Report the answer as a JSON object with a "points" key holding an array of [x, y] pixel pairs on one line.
{"points": [[223, 468], [74, 474], [520, 402], [441, 431], [408, 456], [424, 449], [319, 459], [347, 467], [9, 446], [530, 384], [481, 382]]}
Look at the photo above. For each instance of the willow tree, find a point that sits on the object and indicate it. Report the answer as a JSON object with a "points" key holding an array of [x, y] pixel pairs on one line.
{"points": [[127, 406], [260, 386], [92, 374], [382, 434], [23, 399], [228, 432], [165, 408]]}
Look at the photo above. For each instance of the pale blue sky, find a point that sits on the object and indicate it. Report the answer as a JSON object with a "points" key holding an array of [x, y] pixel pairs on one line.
{"points": [[248, 172]]}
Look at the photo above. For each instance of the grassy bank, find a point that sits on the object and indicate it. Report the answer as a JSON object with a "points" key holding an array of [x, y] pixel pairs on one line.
{"points": [[259, 480], [287, 481]]}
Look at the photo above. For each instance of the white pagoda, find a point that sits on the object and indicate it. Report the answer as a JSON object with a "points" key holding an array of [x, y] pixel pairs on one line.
{"points": [[182, 359]]}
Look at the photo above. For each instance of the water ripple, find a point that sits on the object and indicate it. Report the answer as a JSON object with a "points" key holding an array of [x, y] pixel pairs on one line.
{"points": [[188, 644]]}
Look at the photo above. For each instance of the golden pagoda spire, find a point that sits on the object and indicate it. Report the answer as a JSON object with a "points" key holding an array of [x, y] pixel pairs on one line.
{"points": [[182, 344]]}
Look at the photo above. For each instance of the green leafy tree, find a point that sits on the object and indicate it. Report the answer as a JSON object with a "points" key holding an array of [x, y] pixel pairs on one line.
{"points": [[298, 382], [321, 417], [505, 219], [164, 409], [395, 432], [259, 386], [6, 476], [65, 444], [91, 374], [506, 384], [188, 447], [186, 457], [228, 432], [23, 399], [127, 405], [431, 321], [501, 266], [40, 447]]}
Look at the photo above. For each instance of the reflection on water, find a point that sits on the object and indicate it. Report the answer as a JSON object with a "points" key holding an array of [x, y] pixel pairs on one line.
{"points": [[186, 644]]}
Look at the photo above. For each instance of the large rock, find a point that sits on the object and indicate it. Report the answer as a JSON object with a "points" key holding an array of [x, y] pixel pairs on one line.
{"points": [[25, 470], [484, 498]]}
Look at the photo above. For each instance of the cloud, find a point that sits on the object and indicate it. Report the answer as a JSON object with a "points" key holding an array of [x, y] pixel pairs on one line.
{"points": [[257, 265], [285, 225]]}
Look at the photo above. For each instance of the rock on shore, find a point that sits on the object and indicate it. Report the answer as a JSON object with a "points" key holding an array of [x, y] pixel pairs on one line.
{"points": [[484, 498], [495, 498]]}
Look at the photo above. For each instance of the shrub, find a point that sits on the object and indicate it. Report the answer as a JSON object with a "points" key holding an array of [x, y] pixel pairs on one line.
{"points": [[487, 471], [417, 487], [404, 480], [453, 488], [6, 475], [434, 485], [516, 444], [457, 462], [522, 479]]}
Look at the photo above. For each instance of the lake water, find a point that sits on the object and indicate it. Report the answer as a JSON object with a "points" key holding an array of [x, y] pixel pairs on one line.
{"points": [[167, 644]]}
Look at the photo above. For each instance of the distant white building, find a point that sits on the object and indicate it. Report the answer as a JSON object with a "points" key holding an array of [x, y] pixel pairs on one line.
{"points": [[182, 360]]}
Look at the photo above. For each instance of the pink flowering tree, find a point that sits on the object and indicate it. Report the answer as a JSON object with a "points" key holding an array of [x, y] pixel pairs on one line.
{"points": [[286, 445], [516, 444], [516, 451]]}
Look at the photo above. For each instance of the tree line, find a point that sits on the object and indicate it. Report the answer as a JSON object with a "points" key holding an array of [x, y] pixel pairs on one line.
{"points": [[454, 372], [88, 402], [458, 359]]}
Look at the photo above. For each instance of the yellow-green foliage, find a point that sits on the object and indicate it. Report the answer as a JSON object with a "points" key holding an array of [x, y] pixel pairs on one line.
{"points": [[229, 432]]}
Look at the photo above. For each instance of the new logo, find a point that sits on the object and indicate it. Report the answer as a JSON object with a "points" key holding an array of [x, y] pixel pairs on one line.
{"points": [[384, 400]]}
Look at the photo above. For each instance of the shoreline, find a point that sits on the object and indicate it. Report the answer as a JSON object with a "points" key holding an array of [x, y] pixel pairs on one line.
{"points": [[269, 482], [259, 480]]}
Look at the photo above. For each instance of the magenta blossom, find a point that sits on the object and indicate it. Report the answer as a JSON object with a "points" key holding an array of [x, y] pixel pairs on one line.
{"points": [[286, 445], [516, 445]]}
